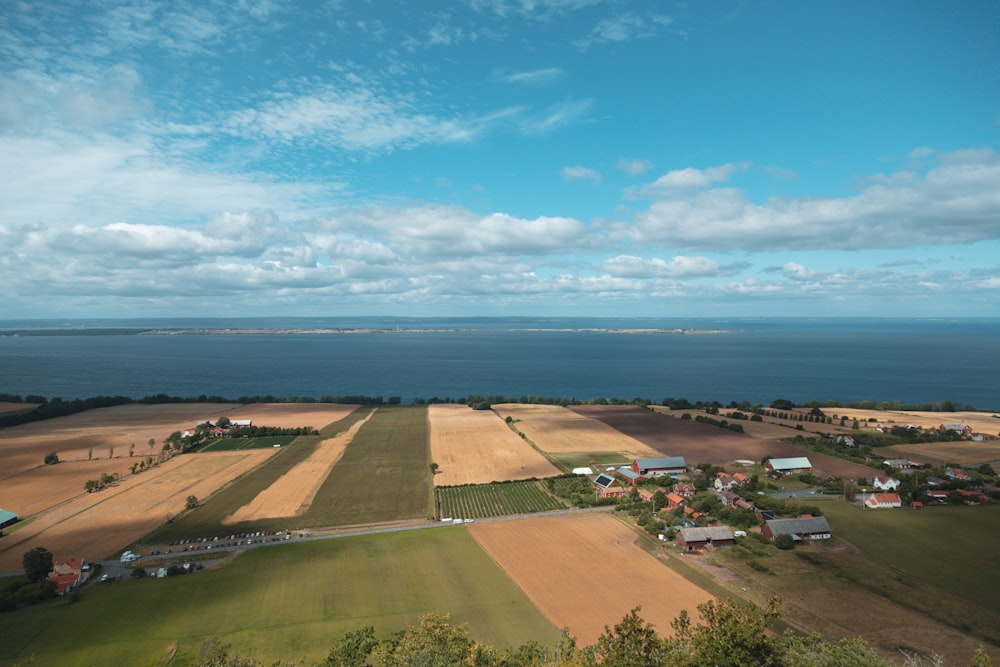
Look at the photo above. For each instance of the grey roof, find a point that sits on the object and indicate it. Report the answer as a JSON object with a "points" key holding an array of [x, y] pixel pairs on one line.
{"points": [[792, 463], [604, 480], [801, 526], [713, 533], [6, 516], [625, 471], [661, 462]]}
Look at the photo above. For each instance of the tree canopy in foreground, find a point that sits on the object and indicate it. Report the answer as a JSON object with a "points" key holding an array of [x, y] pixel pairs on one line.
{"points": [[731, 634]]}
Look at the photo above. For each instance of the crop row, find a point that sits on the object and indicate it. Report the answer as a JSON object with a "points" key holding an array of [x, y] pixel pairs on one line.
{"points": [[486, 500]]}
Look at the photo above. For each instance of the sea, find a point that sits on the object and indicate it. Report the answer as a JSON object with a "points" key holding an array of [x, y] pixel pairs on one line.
{"points": [[906, 361]]}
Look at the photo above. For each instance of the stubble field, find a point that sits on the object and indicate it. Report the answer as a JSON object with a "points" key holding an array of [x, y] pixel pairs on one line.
{"points": [[94, 525], [477, 447], [556, 429], [586, 571]]}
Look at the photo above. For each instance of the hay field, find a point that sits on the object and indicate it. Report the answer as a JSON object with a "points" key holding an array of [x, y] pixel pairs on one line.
{"points": [[586, 571], [291, 415], [37, 490], [97, 524], [477, 447], [964, 453], [293, 493], [23, 447], [984, 422], [557, 429]]}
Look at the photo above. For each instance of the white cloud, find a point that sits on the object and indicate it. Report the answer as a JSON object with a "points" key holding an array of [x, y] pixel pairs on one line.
{"points": [[581, 173], [556, 116], [634, 167], [621, 29], [677, 267], [534, 77]]}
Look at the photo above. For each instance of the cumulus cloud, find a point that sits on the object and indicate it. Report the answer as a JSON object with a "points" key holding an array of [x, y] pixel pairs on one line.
{"points": [[679, 266], [955, 201], [634, 167]]}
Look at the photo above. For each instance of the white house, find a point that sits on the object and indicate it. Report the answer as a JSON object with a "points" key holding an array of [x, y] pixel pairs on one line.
{"points": [[883, 501], [884, 483]]}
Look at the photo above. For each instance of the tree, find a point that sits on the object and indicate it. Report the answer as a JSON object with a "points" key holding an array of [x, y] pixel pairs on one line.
{"points": [[731, 635], [434, 468], [131, 449], [784, 541], [223, 422], [353, 649], [631, 643], [152, 442], [37, 564], [111, 452], [192, 502], [433, 642], [139, 573], [51, 459]]}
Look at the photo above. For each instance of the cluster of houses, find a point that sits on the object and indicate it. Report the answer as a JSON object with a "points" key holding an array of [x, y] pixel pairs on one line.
{"points": [[69, 574], [691, 537], [217, 430]]}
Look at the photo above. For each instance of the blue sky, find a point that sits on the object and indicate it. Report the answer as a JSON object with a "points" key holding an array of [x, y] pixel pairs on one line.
{"points": [[499, 157]]}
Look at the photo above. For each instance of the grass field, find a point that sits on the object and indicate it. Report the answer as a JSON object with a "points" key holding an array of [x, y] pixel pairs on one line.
{"points": [[228, 444], [950, 548], [485, 500], [284, 602]]}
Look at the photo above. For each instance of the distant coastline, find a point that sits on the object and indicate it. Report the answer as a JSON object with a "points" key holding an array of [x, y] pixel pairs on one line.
{"points": [[337, 331]]}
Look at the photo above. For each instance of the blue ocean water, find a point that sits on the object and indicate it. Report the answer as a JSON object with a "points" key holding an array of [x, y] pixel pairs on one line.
{"points": [[909, 361]]}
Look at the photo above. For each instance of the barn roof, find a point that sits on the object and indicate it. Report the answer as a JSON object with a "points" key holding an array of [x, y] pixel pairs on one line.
{"points": [[625, 471], [661, 462], [703, 534], [800, 526], [790, 463]]}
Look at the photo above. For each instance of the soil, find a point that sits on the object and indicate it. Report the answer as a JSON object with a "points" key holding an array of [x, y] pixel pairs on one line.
{"points": [[477, 447], [293, 493], [292, 415], [705, 443], [587, 571]]}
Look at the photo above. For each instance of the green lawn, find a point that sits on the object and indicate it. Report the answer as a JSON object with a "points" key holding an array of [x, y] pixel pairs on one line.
{"points": [[283, 602], [950, 548], [570, 460]]}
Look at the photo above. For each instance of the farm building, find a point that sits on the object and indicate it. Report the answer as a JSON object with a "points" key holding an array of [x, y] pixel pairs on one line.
{"points": [[693, 539], [788, 466], [804, 528], [631, 476], [659, 466], [898, 464], [606, 487], [6, 519], [883, 501], [69, 574]]}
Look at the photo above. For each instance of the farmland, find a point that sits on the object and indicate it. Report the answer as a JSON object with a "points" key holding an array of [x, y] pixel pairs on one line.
{"points": [[476, 447], [284, 602], [235, 444], [485, 500]]}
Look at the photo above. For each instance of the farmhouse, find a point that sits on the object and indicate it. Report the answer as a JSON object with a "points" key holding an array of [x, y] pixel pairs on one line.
{"points": [[693, 539], [68, 574], [685, 489], [956, 473], [883, 501], [659, 466], [726, 482], [674, 500], [805, 528], [782, 467], [884, 483], [606, 487]]}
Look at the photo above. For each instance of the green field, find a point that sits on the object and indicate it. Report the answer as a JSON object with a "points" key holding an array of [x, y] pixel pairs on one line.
{"points": [[950, 548], [230, 444], [485, 500], [284, 602], [570, 460]]}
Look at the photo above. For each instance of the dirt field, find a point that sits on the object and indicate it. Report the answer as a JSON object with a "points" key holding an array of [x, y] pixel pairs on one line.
{"points": [[586, 571], [293, 493], [16, 407], [291, 415], [704, 443], [477, 447], [39, 489], [938, 453], [97, 524], [23, 447], [559, 430], [984, 422]]}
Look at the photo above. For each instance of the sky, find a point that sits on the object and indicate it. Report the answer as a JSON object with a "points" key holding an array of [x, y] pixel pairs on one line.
{"points": [[499, 158]]}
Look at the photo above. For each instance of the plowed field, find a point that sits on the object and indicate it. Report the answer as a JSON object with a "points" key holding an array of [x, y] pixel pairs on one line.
{"points": [[293, 493], [704, 443], [477, 447], [558, 430], [586, 571], [291, 415], [97, 524]]}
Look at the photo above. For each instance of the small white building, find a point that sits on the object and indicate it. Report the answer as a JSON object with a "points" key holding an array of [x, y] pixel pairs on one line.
{"points": [[883, 501]]}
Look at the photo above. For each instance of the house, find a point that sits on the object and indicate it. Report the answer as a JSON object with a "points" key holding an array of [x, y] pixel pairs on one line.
{"points": [[725, 482], [69, 574], [972, 497], [938, 495], [659, 466], [845, 440], [646, 495], [742, 504], [884, 483], [883, 501], [936, 481], [956, 474], [898, 464], [685, 489], [782, 467], [727, 497], [606, 487], [964, 429], [692, 512], [808, 528], [6, 519], [694, 539], [674, 500], [741, 479]]}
